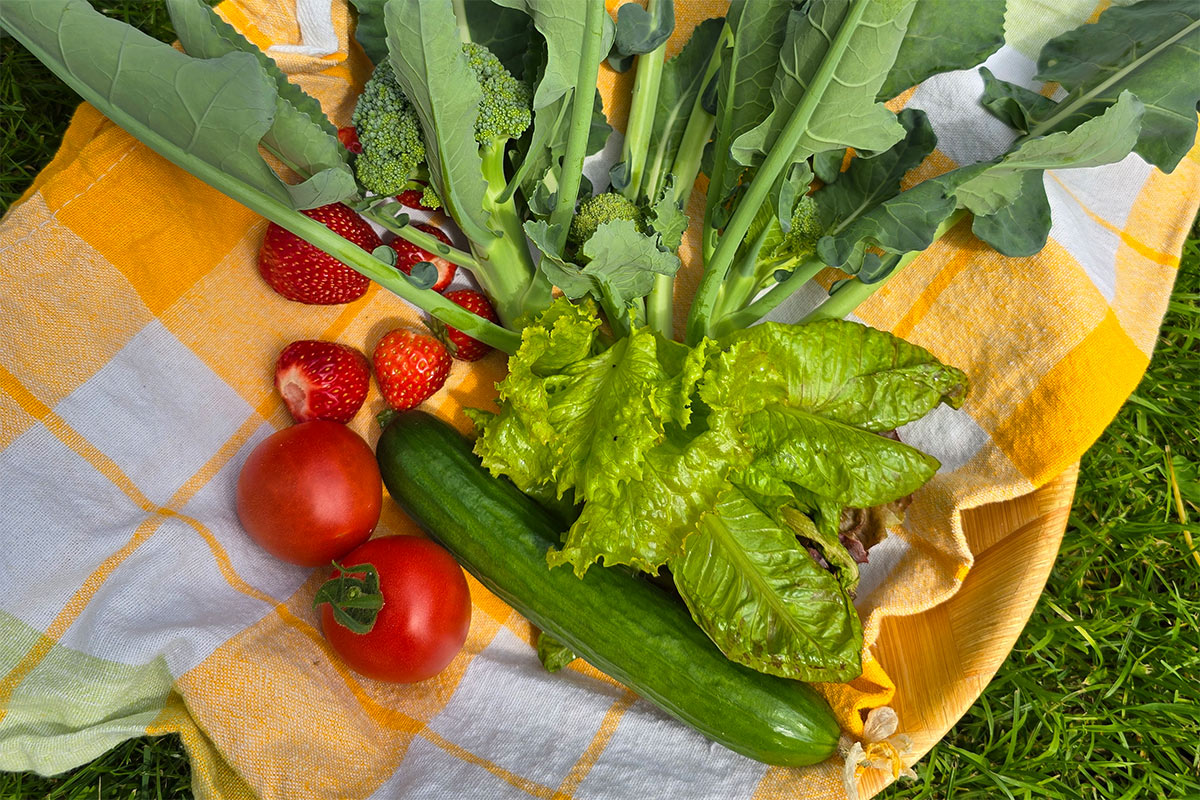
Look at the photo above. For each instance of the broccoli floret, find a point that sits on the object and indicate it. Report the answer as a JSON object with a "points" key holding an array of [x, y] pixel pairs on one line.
{"points": [[595, 211], [393, 152], [505, 110], [801, 238]]}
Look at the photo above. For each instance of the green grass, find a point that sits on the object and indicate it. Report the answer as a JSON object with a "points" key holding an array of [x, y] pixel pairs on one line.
{"points": [[1099, 698]]}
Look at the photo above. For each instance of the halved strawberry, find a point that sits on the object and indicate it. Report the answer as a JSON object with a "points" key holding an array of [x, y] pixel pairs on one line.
{"points": [[301, 272], [410, 367], [463, 347], [322, 380], [409, 255]]}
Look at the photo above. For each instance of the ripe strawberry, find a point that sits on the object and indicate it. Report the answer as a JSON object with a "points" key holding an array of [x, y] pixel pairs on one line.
{"points": [[348, 136], [301, 272], [410, 367], [463, 347], [411, 198], [322, 380], [408, 255]]}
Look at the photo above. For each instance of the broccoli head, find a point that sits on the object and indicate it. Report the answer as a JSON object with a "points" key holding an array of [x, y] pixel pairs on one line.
{"points": [[599, 209], [801, 238], [393, 152], [505, 110]]}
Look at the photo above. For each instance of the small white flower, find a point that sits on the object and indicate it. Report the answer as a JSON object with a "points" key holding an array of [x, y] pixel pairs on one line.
{"points": [[884, 750]]}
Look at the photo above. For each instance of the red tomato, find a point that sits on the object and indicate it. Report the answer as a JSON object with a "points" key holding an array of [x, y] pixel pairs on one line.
{"points": [[310, 493], [425, 615]]}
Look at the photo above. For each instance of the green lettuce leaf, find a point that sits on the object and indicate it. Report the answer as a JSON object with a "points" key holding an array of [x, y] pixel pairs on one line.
{"points": [[763, 600], [841, 371], [710, 460], [553, 654]]}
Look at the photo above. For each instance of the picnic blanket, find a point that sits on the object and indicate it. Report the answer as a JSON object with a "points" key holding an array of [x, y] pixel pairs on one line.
{"points": [[136, 353]]}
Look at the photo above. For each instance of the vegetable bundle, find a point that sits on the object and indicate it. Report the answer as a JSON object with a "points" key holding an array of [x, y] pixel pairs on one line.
{"points": [[732, 459]]}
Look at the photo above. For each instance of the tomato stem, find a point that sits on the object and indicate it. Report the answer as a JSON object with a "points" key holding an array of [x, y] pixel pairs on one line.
{"points": [[353, 595]]}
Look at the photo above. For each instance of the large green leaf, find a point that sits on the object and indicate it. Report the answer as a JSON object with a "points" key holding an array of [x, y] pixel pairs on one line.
{"points": [[561, 23], [1101, 140], [205, 115], [370, 30], [1005, 195], [1149, 49], [763, 600], [844, 372], [846, 463], [642, 521], [945, 35], [300, 134], [426, 55], [743, 89], [853, 43]]}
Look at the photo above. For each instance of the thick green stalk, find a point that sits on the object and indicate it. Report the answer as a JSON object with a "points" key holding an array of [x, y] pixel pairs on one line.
{"points": [[752, 313], [660, 311], [740, 287], [643, 104], [854, 292], [581, 119], [505, 265], [782, 154]]}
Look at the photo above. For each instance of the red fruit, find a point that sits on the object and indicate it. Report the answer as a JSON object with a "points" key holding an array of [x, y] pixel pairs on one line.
{"points": [[463, 347], [310, 493], [348, 136], [411, 199], [301, 272], [425, 617], [409, 255], [322, 380], [410, 367]]}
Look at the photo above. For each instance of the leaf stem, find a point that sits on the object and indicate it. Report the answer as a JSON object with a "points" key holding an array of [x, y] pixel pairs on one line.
{"points": [[643, 104], [781, 155], [420, 238], [745, 317], [581, 118]]}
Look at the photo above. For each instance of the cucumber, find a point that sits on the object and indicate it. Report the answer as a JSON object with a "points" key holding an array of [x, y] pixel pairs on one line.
{"points": [[622, 625]]}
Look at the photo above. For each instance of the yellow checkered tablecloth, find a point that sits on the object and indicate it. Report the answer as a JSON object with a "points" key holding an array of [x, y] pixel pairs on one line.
{"points": [[136, 344]]}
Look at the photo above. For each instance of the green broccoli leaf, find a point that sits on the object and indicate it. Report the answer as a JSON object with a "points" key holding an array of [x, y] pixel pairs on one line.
{"points": [[743, 91], [758, 594], [667, 218], [430, 66], [370, 30], [1148, 49], [622, 261], [1013, 105], [870, 181], [639, 31], [205, 115], [681, 83], [1099, 140], [1021, 228], [943, 36], [300, 134], [846, 113]]}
